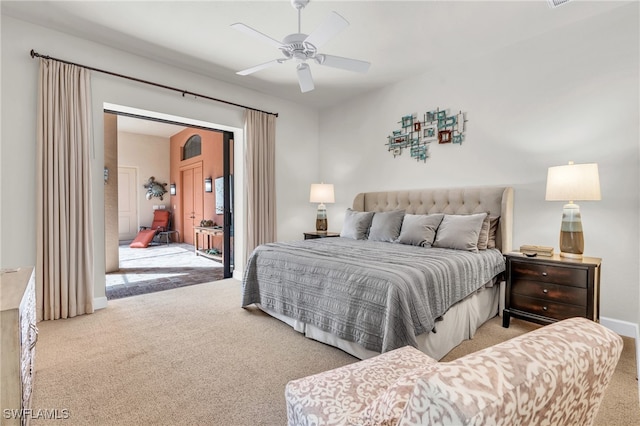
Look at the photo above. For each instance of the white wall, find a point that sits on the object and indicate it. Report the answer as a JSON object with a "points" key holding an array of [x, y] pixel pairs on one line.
{"points": [[568, 95], [150, 155], [18, 143]]}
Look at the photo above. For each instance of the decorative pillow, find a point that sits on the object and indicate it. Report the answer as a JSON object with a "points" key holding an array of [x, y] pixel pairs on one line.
{"points": [[419, 229], [493, 231], [490, 223], [385, 226], [460, 232], [356, 224]]}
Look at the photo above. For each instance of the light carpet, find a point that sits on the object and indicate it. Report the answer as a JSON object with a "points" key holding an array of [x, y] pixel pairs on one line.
{"points": [[192, 356]]}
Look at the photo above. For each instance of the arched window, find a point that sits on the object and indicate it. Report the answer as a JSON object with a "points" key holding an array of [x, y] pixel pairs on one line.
{"points": [[192, 148]]}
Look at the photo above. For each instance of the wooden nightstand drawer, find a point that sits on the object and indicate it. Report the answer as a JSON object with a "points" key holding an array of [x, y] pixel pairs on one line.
{"points": [[550, 274], [546, 308], [552, 292]]}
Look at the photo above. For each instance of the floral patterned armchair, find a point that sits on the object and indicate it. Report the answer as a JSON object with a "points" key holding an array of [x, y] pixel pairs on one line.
{"points": [[556, 374]]}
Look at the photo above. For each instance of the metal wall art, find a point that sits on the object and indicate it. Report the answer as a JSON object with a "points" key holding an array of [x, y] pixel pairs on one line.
{"points": [[154, 189], [416, 135]]}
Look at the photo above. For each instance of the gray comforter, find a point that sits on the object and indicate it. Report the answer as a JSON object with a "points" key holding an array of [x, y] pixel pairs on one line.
{"points": [[380, 295]]}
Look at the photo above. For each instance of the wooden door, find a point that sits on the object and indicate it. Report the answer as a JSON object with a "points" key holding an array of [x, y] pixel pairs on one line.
{"points": [[127, 203], [192, 201]]}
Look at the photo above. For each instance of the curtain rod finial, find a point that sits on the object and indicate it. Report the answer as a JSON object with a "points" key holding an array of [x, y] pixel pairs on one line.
{"points": [[33, 53]]}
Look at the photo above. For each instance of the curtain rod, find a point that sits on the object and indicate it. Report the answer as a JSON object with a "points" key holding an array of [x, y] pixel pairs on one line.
{"points": [[35, 54]]}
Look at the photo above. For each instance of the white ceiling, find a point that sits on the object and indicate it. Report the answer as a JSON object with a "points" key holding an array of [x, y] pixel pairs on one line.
{"points": [[399, 38]]}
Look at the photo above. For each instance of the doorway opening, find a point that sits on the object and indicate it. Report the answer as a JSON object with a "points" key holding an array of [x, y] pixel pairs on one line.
{"points": [[198, 244]]}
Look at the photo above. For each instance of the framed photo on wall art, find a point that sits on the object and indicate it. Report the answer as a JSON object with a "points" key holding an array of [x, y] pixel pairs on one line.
{"points": [[444, 136], [430, 131]]}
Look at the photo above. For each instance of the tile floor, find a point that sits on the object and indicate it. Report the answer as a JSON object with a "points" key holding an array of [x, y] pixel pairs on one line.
{"points": [[159, 267]]}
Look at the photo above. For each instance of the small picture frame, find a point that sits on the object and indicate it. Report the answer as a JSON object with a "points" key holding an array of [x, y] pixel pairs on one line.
{"points": [[407, 121], [430, 131], [416, 126], [444, 136]]}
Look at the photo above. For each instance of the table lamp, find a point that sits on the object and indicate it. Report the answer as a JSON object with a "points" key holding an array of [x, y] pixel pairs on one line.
{"points": [[573, 182], [321, 193]]}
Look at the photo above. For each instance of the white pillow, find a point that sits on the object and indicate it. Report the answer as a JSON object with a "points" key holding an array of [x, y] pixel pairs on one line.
{"points": [[419, 229], [356, 225], [459, 232]]}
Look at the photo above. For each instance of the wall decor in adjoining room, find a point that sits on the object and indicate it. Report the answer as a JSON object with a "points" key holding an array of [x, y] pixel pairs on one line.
{"points": [[154, 188], [415, 135]]}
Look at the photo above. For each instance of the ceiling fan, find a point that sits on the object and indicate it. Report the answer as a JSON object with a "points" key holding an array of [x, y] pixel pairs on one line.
{"points": [[302, 47]]}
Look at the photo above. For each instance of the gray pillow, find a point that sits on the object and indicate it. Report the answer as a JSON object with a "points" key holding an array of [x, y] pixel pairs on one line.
{"points": [[419, 229], [460, 232], [356, 224], [385, 226], [487, 238]]}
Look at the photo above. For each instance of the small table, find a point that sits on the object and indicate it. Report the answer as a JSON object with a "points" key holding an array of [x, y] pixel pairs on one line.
{"points": [[209, 231], [320, 234]]}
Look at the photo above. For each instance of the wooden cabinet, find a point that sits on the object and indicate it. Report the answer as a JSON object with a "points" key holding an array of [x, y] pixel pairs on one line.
{"points": [[320, 234], [18, 340], [549, 289]]}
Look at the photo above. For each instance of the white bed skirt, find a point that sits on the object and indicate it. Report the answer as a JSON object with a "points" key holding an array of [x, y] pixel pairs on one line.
{"points": [[459, 324]]}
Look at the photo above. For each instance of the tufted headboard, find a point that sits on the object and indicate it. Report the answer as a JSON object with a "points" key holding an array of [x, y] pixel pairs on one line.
{"points": [[498, 201]]}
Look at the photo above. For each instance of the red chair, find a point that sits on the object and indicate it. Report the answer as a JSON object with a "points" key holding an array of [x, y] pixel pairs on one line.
{"points": [[161, 224]]}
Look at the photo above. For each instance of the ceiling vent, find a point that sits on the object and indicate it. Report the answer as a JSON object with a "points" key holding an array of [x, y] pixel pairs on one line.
{"points": [[556, 3]]}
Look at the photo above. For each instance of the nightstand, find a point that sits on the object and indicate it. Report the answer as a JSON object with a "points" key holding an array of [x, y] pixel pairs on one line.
{"points": [[320, 234], [549, 289]]}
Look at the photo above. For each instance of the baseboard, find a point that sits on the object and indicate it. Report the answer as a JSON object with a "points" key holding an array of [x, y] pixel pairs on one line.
{"points": [[623, 328], [99, 302], [627, 329], [237, 274]]}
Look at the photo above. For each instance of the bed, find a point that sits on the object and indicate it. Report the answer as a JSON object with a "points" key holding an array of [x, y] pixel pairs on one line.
{"points": [[368, 296]]}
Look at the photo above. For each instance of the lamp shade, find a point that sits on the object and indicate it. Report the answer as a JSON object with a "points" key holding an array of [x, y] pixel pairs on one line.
{"points": [[573, 182], [321, 193]]}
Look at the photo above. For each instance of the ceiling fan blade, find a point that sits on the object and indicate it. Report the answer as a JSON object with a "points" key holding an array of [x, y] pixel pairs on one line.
{"points": [[257, 34], [304, 78], [329, 28], [260, 67], [343, 63]]}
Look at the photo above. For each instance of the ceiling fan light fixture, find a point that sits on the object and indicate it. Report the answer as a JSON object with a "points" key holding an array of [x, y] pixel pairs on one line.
{"points": [[305, 80]]}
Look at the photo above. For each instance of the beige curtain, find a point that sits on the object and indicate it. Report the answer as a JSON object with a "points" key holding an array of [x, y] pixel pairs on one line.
{"points": [[260, 131], [64, 262]]}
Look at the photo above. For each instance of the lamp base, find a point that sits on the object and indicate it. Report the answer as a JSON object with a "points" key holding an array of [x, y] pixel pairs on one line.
{"points": [[321, 225], [321, 218], [571, 236], [576, 256]]}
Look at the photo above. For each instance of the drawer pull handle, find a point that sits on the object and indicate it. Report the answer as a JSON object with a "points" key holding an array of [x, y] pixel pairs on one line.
{"points": [[545, 291], [544, 308], [544, 274]]}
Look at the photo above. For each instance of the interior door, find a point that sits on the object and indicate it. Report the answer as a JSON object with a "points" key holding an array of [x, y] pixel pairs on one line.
{"points": [[192, 200], [127, 205]]}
